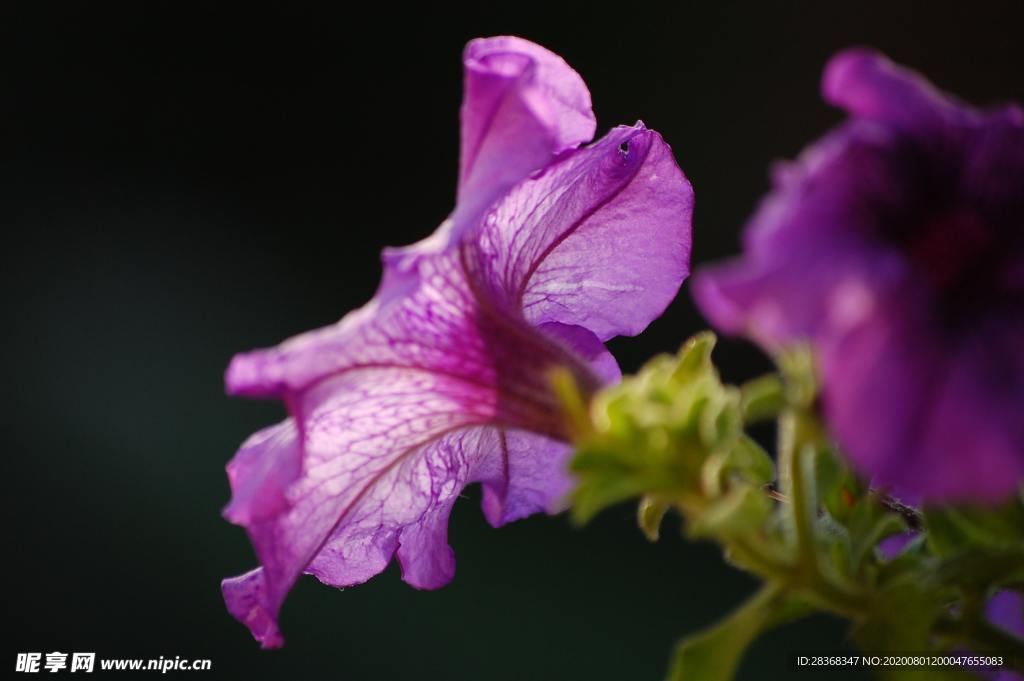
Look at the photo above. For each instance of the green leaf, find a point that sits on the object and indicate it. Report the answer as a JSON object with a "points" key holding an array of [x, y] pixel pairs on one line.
{"points": [[715, 653], [695, 356], [943, 536], [900, 618], [901, 621], [981, 568], [954, 529]]}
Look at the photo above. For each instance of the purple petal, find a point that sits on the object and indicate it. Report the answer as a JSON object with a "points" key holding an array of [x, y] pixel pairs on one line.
{"points": [[893, 246], [606, 223], [866, 84], [532, 474], [531, 477], [975, 434], [261, 472], [404, 511], [372, 441], [585, 345], [245, 599], [376, 456], [1006, 611], [522, 105], [809, 264], [444, 324], [427, 320], [922, 418], [444, 378], [774, 304]]}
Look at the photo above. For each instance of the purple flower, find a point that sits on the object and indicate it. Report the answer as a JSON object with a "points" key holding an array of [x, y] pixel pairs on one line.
{"points": [[443, 378], [895, 245], [1006, 610]]}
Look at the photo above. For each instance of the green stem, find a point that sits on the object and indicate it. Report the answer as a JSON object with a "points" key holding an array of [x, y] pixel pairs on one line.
{"points": [[824, 593], [799, 437], [804, 505], [760, 562], [796, 463]]}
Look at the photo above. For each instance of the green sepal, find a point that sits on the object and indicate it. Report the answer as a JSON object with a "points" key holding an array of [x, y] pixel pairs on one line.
{"points": [[695, 357], [649, 514], [673, 430], [607, 477]]}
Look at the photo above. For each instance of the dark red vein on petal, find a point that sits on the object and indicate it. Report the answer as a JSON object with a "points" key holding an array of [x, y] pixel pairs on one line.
{"points": [[370, 483], [576, 225]]}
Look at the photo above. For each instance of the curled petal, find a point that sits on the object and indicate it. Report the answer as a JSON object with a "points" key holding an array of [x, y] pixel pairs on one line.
{"points": [[261, 472], [774, 303], [607, 223], [588, 347], [245, 597], [866, 84], [530, 477], [522, 105]]}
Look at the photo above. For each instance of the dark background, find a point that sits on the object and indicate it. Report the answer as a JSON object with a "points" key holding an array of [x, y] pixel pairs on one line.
{"points": [[184, 181]]}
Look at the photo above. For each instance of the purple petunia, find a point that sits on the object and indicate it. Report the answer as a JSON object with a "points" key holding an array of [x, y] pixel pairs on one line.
{"points": [[1006, 610], [443, 378], [895, 245]]}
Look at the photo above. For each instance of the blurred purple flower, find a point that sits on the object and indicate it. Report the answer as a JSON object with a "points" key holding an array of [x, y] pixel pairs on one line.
{"points": [[895, 245], [1006, 610], [443, 378]]}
